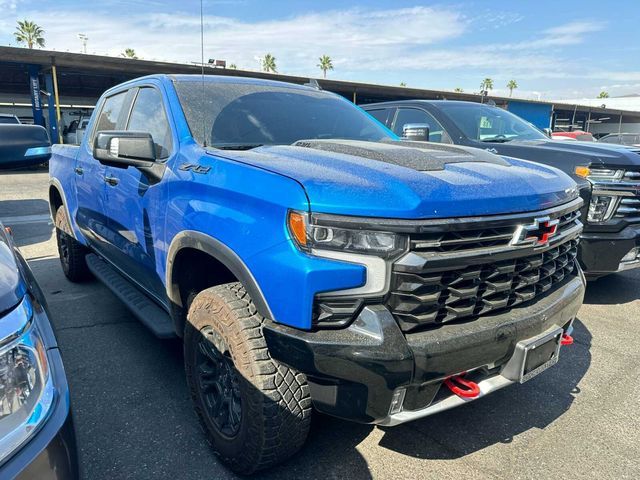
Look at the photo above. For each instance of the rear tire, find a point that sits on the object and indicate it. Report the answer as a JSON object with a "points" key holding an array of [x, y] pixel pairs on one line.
{"points": [[255, 411], [71, 252]]}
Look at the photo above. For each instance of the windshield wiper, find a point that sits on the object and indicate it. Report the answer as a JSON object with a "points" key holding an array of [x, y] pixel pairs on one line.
{"points": [[496, 140], [237, 146]]}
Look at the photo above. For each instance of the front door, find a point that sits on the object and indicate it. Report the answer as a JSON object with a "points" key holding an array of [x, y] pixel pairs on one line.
{"points": [[135, 203], [90, 176]]}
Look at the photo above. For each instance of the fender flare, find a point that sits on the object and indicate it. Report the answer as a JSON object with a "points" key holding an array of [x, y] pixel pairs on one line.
{"points": [[223, 254], [55, 183]]}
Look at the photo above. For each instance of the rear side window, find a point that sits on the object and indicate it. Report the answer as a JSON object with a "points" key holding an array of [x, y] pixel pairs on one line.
{"points": [[108, 118], [382, 115], [148, 115], [413, 115]]}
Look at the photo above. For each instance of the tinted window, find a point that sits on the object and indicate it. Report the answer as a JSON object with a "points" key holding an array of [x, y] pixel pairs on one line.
{"points": [[489, 124], [110, 112], [241, 115], [148, 115], [611, 139], [11, 120], [413, 115], [381, 114]]}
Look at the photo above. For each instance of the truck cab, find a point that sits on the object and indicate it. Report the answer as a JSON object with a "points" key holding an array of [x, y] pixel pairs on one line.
{"points": [[310, 260]]}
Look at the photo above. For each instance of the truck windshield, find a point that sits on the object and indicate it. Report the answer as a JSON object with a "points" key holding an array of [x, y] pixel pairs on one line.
{"points": [[246, 115], [490, 124]]}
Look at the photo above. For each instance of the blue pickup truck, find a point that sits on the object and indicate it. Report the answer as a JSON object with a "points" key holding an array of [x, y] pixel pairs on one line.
{"points": [[311, 260]]}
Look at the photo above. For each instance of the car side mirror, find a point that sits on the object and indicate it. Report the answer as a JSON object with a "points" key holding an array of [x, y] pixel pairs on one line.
{"points": [[123, 149], [23, 145], [417, 132], [548, 132]]}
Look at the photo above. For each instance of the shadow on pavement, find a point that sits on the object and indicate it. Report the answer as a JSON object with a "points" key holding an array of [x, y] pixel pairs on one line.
{"points": [[614, 289], [499, 417], [16, 208]]}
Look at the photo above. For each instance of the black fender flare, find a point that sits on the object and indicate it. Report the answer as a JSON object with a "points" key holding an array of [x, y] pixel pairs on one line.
{"points": [[222, 253]]}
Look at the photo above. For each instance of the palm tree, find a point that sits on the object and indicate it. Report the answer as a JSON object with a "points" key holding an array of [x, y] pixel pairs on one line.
{"points": [[512, 85], [603, 94], [233, 66], [325, 64], [487, 84], [458, 90], [29, 33], [129, 53], [269, 63], [403, 84]]}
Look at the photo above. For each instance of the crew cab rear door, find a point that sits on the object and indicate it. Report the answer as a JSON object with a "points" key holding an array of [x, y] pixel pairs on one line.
{"points": [[135, 202]]}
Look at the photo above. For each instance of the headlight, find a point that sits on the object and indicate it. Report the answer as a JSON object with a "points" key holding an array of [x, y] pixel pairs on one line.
{"points": [[601, 208], [599, 174], [309, 237], [26, 389]]}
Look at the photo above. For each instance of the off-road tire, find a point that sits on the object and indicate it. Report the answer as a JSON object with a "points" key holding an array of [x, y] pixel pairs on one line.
{"points": [[72, 253], [275, 401]]}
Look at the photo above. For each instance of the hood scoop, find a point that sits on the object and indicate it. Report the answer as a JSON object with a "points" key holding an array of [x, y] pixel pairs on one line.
{"points": [[419, 156]]}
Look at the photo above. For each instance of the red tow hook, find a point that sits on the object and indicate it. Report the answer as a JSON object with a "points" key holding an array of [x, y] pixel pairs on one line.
{"points": [[566, 339], [461, 387]]}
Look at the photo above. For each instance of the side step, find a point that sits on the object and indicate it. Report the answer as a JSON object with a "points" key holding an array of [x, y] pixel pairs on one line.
{"points": [[154, 317]]}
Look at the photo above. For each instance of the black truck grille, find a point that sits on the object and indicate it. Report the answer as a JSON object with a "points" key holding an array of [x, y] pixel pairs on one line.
{"points": [[628, 208], [464, 278]]}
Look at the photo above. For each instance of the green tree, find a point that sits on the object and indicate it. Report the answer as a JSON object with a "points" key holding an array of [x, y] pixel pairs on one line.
{"points": [[603, 94], [512, 85], [129, 53], [269, 63], [29, 33], [403, 84], [325, 64], [487, 84], [458, 90], [233, 66]]}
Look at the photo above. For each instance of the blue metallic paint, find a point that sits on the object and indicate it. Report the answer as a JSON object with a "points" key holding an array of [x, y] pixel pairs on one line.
{"points": [[243, 201]]}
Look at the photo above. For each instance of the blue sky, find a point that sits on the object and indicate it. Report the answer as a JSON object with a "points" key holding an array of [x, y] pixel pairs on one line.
{"points": [[553, 49]]}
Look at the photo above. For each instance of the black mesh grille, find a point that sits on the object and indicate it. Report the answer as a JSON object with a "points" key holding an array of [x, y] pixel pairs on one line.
{"points": [[427, 299]]}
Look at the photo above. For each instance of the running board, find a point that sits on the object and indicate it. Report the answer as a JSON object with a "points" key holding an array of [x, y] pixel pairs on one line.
{"points": [[145, 309]]}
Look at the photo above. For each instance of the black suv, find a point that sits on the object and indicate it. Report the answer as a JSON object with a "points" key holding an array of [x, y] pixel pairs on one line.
{"points": [[608, 175]]}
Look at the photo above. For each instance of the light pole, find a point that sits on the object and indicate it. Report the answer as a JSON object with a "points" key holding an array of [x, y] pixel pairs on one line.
{"points": [[83, 38]]}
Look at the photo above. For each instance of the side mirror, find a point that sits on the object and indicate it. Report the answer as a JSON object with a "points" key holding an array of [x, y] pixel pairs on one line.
{"points": [[23, 145], [416, 132], [548, 132], [124, 149]]}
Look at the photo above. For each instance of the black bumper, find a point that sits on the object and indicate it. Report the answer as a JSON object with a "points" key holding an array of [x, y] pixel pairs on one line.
{"points": [[353, 372], [600, 253]]}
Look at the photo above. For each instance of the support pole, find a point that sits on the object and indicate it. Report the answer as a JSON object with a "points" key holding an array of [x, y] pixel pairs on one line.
{"points": [[620, 124], [53, 121], [354, 98], [57, 100]]}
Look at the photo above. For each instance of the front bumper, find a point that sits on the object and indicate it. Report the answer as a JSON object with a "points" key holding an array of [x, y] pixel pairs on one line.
{"points": [[354, 372], [601, 253]]}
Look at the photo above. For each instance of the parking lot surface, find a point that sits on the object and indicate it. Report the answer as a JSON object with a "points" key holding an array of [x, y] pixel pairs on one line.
{"points": [[134, 419]]}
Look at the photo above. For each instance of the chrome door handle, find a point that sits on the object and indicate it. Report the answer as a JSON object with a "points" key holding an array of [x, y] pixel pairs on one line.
{"points": [[78, 170], [113, 181]]}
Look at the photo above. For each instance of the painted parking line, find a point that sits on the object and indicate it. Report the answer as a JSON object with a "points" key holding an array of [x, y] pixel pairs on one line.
{"points": [[8, 221]]}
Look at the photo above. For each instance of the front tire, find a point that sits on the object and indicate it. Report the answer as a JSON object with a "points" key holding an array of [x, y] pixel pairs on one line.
{"points": [[72, 253], [255, 411]]}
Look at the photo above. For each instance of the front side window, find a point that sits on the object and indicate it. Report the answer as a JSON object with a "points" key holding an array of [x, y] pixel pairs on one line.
{"points": [[382, 115], [489, 124], [413, 115], [242, 115], [148, 115], [108, 118]]}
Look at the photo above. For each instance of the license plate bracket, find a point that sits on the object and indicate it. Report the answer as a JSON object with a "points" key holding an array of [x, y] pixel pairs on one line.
{"points": [[533, 356]]}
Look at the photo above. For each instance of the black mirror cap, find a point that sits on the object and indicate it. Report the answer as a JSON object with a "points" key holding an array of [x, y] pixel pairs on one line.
{"points": [[416, 132], [123, 148], [23, 145]]}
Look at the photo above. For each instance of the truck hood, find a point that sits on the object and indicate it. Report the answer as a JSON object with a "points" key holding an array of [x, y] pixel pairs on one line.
{"points": [[586, 153], [12, 285], [377, 180]]}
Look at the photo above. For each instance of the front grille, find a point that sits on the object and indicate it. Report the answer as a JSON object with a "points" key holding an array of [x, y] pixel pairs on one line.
{"points": [[456, 242], [628, 208], [468, 273]]}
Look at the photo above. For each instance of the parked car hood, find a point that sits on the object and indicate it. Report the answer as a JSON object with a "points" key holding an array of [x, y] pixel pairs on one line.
{"points": [[586, 153], [352, 184], [12, 285]]}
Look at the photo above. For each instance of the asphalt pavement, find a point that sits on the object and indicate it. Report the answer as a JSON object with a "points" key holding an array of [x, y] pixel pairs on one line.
{"points": [[134, 419]]}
